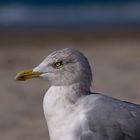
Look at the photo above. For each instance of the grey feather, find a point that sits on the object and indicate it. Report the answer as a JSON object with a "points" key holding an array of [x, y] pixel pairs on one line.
{"points": [[113, 119]]}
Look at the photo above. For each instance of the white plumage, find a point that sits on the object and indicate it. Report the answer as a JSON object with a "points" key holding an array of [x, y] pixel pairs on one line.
{"points": [[66, 119]]}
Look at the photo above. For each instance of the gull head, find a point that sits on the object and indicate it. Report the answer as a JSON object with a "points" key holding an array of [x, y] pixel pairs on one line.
{"points": [[62, 68]]}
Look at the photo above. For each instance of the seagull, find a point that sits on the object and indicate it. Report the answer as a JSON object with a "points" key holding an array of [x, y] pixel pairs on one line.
{"points": [[72, 111]]}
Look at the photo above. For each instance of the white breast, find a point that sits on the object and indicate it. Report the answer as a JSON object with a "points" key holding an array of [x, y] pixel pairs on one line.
{"points": [[65, 120]]}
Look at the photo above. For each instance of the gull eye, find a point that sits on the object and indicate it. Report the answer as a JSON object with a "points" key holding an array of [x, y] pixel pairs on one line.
{"points": [[57, 64]]}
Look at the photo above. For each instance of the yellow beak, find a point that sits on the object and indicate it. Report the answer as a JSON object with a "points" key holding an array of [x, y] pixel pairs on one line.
{"points": [[27, 74]]}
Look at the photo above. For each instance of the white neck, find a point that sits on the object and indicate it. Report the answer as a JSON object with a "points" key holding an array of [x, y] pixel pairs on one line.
{"points": [[59, 102], [62, 96]]}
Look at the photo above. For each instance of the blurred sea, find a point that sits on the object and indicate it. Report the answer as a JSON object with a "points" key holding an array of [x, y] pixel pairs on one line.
{"points": [[64, 16]]}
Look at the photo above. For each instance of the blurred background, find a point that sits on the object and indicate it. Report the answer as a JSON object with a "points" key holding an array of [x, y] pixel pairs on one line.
{"points": [[106, 31]]}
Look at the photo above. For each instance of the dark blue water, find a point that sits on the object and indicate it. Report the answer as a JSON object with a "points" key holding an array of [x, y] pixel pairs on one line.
{"points": [[76, 15]]}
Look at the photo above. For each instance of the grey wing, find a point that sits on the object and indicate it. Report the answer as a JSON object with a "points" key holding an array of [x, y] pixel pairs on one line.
{"points": [[111, 119], [129, 119]]}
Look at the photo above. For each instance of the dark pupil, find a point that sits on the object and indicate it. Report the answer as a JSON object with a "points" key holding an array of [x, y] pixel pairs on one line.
{"points": [[58, 64]]}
